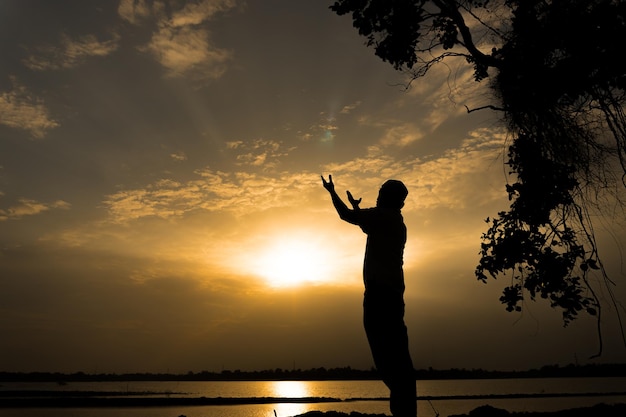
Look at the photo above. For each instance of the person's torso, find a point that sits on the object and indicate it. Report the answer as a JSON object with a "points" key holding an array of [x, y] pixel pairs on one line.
{"points": [[386, 238]]}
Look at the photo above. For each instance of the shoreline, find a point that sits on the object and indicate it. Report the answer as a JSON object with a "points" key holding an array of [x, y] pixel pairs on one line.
{"points": [[322, 374], [78, 399]]}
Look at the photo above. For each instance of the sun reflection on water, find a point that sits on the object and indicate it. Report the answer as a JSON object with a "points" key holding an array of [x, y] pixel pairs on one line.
{"points": [[291, 389]]}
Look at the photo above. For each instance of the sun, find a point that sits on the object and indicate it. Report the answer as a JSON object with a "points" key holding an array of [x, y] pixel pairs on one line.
{"points": [[293, 261]]}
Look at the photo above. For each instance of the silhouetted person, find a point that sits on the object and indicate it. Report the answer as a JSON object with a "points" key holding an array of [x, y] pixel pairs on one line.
{"points": [[383, 304]]}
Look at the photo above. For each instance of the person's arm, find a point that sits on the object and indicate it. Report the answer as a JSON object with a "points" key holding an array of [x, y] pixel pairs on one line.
{"points": [[342, 209]]}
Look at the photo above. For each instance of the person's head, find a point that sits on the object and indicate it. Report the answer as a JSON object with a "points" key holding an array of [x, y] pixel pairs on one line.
{"points": [[392, 194]]}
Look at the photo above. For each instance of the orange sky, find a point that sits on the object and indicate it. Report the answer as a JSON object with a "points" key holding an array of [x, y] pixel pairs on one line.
{"points": [[161, 207]]}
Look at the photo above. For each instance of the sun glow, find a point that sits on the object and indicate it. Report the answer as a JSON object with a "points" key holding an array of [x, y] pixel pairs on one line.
{"points": [[293, 261]]}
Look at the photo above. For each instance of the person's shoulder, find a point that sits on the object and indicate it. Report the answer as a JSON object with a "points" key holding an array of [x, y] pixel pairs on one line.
{"points": [[367, 215], [369, 212]]}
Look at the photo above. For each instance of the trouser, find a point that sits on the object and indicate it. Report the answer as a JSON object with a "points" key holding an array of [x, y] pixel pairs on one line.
{"points": [[383, 318]]}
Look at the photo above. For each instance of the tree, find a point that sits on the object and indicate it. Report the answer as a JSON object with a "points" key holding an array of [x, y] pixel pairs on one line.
{"points": [[557, 77]]}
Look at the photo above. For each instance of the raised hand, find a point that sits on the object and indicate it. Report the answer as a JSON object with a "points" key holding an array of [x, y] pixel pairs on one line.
{"points": [[328, 184], [355, 203]]}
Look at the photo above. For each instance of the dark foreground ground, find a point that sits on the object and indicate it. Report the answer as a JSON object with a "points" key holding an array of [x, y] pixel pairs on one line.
{"points": [[600, 410]]}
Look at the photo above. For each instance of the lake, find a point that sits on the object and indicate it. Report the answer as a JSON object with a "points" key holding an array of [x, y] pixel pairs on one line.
{"points": [[434, 396]]}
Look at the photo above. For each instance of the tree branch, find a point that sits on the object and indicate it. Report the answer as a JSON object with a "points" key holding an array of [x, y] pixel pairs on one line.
{"points": [[489, 106], [450, 9]]}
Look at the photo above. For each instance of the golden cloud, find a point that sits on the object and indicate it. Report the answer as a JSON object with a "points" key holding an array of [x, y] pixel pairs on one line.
{"points": [[20, 110], [181, 44], [29, 207], [70, 52]]}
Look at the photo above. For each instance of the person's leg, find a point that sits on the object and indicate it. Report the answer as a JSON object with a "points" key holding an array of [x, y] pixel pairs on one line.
{"points": [[403, 390], [388, 339], [403, 401]]}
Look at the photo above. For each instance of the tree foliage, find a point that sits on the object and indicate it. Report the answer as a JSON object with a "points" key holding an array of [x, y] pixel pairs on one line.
{"points": [[557, 77]]}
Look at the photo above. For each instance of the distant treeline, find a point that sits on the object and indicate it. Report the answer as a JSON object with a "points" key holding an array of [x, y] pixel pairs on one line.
{"points": [[321, 374]]}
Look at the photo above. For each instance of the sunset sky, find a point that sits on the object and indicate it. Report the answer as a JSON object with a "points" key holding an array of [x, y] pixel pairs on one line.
{"points": [[161, 208]]}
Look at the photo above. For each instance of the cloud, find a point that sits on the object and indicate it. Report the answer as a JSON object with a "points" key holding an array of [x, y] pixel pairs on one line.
{"points": [[458, 178], [402, 135], [134, 10], [468, 176], [178, 156], [324, 130], [70, 52], [28, 207], [213, 191], [195, 13], [362, 166], [446, 84], [182, 43], [20, 110], [259, 152], [187, 51], [349, 108]]}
